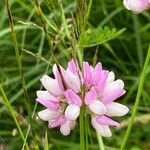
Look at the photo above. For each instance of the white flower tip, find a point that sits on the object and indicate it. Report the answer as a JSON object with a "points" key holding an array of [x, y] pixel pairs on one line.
{"points": [[103, 130], [65, 130], [44, 115], [111, 77], [44, 77], [97, 107], [116, 109], [72, 112]]}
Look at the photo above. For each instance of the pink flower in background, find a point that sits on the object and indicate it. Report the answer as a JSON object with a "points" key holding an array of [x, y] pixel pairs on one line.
{"points": [[137, 6], [63, 102]]}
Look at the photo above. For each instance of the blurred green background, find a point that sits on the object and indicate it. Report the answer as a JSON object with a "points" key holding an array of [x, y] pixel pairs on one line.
{"points": [[125, 55]]}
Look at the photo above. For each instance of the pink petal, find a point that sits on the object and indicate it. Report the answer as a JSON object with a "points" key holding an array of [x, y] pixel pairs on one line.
{"points": [[73, 66], [49, 104], [59, 77], [96, 73], [137, 6], [102, 81], [72, 112], [87, 73], [113, 95], [90, 96], [103, 130], [106, 121], [97, 107], [51, 85], [57, 121], [116, 109], [109, 87], [72, 81], [47, 96], [73, 98]]}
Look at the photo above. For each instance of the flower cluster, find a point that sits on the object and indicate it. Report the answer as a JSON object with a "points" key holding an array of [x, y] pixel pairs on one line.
{"points": [[137, 6], [63, 97]]}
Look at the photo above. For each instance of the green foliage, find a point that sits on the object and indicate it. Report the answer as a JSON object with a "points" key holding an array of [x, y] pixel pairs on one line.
{"points": [[97, 36], [104, 40]]}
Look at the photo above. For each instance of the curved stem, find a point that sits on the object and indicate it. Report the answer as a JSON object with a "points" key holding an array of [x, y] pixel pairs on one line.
{"points": [[140, 88]]}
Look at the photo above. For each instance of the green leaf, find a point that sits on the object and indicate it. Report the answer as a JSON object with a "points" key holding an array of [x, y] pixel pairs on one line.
{"points": [[97, 36], [46, 142]]}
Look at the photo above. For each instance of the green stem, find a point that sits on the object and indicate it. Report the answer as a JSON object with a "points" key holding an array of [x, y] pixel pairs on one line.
{"points": [[82, 129], [140, 88], [86, 132], [100, 141]]}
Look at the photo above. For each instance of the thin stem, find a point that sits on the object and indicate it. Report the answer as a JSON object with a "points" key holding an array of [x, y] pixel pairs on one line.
{"points": [[82, 129], [64, 19], [19, 62], [100, 141], [7, 103], [137, 100], [86, 132]]}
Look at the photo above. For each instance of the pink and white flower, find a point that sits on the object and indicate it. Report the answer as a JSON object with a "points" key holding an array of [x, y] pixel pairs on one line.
{"points": [[137, 6], [62, 97]]}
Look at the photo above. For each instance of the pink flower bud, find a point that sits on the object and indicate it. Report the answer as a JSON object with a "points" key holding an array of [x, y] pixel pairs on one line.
{"points": [[137, 6]]}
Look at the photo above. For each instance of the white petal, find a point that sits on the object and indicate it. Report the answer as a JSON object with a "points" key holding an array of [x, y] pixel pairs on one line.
{"points": [[103, 130], [67, 126], [112, 86], [51, 85], [46, 95], [48, 114], [72, 81], [72, 112], [65, 129], [111, 77], [97, 107], [125, 3], [116, 109]]}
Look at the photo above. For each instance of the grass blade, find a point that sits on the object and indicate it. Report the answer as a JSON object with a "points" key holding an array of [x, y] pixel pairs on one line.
{"points": [[46, 142], [8, 105], [137, 100]]}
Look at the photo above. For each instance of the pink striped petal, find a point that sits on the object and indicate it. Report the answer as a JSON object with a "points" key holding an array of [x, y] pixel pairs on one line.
{"points": [[116, 109], [57, 121], [106, 121], [49, 104], [96, 73], [87, 73], [90, 96], [73, 98], [72, 81], [102, 81], [73, 66], [51, 85], [47, 96], [59, 76], [113, 95], [97, 107], [118, 84]]}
